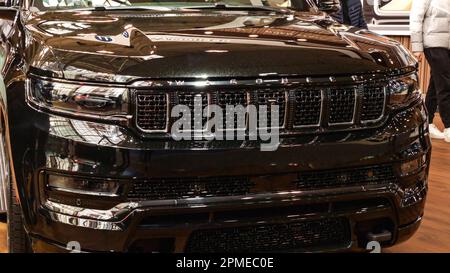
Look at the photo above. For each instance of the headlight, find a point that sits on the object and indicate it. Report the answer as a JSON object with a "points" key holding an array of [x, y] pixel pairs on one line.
{"points": [[81, 100], [403, 91]]}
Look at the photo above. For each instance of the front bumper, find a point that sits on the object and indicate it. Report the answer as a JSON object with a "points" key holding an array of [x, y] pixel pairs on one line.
{"points": [[106, 151], [168, 228]]}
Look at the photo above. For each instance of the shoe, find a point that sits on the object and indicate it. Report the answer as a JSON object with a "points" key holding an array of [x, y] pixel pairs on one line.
{"points": [[436, 133], [447, 135]]}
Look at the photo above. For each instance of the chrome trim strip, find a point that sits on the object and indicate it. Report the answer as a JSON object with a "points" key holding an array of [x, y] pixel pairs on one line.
{"points": [[85, 223], [120, 212], [265, 81], [281, 81], [82, 192]]}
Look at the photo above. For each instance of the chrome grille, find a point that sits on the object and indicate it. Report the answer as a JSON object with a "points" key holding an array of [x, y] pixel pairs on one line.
{"points": [[299, 107]]}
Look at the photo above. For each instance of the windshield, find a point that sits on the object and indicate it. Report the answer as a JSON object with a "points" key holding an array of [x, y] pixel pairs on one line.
{"points": [[299, 5]]}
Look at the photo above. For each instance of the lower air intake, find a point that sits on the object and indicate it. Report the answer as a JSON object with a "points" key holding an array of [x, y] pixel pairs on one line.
{"points": [[295, 236]]}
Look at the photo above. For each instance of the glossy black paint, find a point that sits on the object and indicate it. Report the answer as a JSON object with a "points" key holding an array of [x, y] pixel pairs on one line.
{"points": [[193, 41], [216, 45]]}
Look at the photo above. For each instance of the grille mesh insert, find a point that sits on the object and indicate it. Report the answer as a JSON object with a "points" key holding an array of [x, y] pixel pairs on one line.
{"points": [[179, 188], [349, 177], [189, 99], [190, 187], [151, 112], [272, 237], [372, 102], [269, 98], [308, 104], [342, 104], [232, 98]]}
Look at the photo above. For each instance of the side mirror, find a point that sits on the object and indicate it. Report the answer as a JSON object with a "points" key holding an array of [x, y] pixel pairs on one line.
{"points": [[329, 6]]}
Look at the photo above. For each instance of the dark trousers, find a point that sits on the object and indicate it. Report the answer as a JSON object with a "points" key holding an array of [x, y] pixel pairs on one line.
{"points": [[439, 90]]}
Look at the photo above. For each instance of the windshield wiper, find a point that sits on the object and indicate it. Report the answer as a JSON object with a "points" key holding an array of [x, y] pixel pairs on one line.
{"points": [[223, 6]]}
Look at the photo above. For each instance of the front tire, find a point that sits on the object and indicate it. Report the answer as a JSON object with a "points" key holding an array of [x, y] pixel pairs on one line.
{"points": [[17, 238]]}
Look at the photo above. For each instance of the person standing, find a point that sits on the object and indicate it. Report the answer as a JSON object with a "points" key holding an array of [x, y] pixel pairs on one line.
{"points": [[351, 13], [430, 33]]}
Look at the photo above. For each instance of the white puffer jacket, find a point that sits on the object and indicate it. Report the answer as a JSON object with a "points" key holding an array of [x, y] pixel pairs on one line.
{"points": [[430, 24]]}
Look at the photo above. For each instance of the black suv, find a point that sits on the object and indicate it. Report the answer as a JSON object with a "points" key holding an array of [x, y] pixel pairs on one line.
{"points": [[89, 158]]}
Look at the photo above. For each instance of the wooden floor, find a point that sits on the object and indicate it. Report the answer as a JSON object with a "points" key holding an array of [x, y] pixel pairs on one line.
{"points": [[2, 238], [434, 233]]}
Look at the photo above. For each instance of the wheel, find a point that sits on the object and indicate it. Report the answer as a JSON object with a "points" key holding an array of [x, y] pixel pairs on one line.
{"points": [[4, 176], [18, 241]]}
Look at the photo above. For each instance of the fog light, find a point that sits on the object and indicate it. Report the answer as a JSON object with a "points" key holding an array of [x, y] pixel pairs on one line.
{"points": [[87, 186], [412, 166]]}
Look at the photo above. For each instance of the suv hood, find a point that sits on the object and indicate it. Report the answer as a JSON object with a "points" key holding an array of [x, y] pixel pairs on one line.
{"points": [[123, 46]]}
